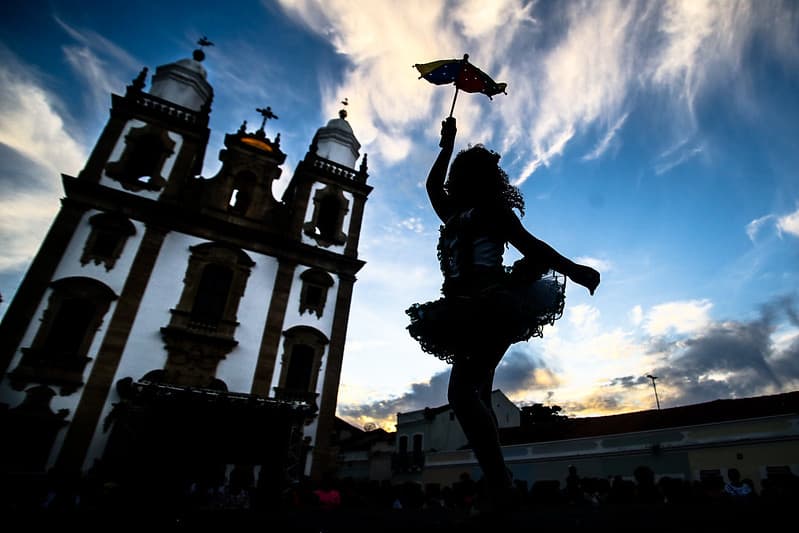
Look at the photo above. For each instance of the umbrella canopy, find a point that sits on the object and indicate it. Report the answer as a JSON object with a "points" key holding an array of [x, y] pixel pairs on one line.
{"points": [[463, 74]]}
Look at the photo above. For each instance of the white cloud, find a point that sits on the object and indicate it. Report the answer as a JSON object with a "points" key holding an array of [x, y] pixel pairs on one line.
{"points": [[605, 142], [683, 317], [602, 265], [105, 67], [583, 78], [782, 223], [30, 124], [755, 226], [636, 315], [677, 159], [789, 223], [583, 316], [413, 223], [24, 219], [595, 57]]}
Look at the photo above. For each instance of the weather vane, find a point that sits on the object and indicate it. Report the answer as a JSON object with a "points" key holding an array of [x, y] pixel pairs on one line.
{"points": [[266, 114], [199, 55]]}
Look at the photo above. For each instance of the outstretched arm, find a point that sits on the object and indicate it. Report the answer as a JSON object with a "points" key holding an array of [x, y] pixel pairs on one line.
{"points": [[542, 253], [438, 172]]}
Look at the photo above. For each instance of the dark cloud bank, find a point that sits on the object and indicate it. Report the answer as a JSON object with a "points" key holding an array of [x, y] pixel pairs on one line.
{"points": [[731, 359]]}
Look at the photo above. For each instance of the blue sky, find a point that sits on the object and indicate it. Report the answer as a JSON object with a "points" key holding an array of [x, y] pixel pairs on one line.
{"points": [[657, 141]]}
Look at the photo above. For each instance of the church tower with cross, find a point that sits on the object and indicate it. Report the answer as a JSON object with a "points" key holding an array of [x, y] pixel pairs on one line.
{"points": [[184, 328]]}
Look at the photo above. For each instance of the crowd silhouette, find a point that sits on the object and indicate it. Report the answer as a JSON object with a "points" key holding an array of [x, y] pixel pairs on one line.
{"points": [[340, 504]]}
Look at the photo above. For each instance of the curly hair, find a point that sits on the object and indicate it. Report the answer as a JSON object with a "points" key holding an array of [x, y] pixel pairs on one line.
{"points": [[475, 177]]}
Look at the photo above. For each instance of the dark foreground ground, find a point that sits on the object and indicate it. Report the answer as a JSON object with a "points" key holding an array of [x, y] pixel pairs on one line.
{"points": [[756, 518]]}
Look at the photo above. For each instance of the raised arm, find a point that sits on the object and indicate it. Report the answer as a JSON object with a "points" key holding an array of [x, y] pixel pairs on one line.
{"points": [[541, 253], [438, 172]]}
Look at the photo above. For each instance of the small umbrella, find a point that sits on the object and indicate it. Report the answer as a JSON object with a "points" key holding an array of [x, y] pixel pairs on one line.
{"points": [[463, 74]]}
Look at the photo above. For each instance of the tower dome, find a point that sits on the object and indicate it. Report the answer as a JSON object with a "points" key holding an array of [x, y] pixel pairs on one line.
{"points": [[184, 83], [336, 142]]}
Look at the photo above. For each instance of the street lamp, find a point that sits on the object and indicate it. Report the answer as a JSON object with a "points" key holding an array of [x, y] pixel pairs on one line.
{"points": [[653, 378]]}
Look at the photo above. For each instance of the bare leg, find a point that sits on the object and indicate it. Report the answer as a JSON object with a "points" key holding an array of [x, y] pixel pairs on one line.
{"points": [[470, 385]]}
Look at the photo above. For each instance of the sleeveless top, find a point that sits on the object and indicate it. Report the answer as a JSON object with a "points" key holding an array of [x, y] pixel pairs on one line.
{"points": [[470, 254]]}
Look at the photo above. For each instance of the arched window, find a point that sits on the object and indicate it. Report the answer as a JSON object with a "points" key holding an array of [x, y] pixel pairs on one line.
{"points": [[145, 158], [139, 168], [417, 444], [107, 239], [212, 294], [403, 445], [313, 295], [68, 329], [328, 219], [59, 352], [242, 194], [303, 350], [202, 326], [298, 375], [326, 224]]}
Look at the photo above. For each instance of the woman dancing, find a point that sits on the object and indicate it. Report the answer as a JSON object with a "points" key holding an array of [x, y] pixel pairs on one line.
{"points": [[486, 307]]}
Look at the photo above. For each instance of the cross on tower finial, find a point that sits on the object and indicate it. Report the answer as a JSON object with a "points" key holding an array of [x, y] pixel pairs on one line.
{"points": [[266, 114], [343, 112]]}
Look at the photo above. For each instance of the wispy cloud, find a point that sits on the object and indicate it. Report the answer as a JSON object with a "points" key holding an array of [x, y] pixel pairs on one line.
{"points": [[788, 223], [104, 66], [604, 143], [595, 59], [675, 157], [756, 226], [32, 128], [603, 265]]}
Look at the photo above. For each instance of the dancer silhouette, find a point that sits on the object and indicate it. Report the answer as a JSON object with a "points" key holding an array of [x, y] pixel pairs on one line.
{"points": [[485, 307]]}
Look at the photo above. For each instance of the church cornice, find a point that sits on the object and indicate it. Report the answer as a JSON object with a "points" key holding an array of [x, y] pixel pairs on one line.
{"points": [[326, 171], [154, 109], [266, 239]]}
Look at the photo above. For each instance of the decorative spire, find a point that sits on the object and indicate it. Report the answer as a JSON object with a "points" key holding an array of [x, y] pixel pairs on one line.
{"points": [[138, 82], [198, 54], [342, 114]]}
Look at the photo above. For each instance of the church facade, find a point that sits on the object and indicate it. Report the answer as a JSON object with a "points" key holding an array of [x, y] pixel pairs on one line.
{"points": [[172, 322]]}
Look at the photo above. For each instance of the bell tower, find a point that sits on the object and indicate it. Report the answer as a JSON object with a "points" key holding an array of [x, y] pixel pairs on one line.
{"points": [[325, 199]]}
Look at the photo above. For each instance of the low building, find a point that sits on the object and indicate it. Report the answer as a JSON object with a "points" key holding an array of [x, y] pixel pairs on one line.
{"points": [[363, 455], [426, 432], [759, 436]]}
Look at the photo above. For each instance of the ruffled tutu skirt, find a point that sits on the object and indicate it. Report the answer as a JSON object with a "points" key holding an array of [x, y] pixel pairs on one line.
{"points": [[510, 312]]}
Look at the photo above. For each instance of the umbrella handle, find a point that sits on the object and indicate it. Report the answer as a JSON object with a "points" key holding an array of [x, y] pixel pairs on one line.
{"points": [[453, 102]]}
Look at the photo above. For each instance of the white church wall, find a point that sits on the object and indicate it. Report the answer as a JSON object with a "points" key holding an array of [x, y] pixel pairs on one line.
{"points": [[115, 278], [144, 350], [293, 318], [119, 148], [238, 369], [69, 266]]}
